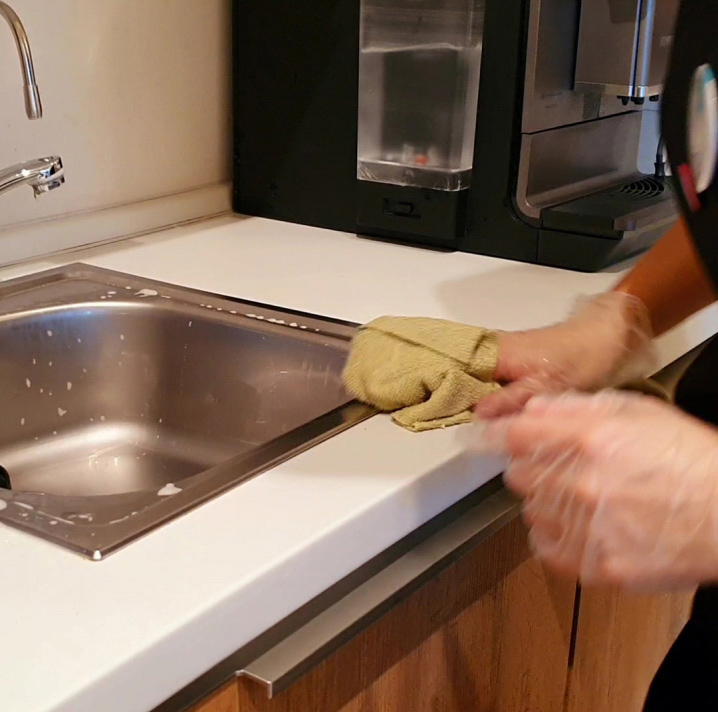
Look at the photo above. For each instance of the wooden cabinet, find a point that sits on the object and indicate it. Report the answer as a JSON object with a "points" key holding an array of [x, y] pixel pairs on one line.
{"points": [[490, 633], [621, 640], [493, 633], [225, 700]]}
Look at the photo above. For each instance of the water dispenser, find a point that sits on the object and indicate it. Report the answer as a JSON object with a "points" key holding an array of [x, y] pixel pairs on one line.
{"points": [[418, 91]]}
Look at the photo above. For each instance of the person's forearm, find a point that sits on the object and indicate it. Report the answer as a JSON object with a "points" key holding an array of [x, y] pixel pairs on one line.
{"points": [[670, 280]]}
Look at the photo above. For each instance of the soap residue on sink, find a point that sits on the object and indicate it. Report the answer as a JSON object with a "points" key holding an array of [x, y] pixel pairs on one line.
{"points": [[168, 490]]}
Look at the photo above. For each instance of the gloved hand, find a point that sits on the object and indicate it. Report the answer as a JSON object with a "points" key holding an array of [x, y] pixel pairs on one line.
{"points": [[618, 488], [606, 342]]}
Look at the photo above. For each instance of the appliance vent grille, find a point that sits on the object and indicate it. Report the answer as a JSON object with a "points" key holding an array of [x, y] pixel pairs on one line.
{"points": [[642, 189]]}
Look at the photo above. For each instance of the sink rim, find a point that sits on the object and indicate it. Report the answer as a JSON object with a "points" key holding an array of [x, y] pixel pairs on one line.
{"points": [[111, 527]]}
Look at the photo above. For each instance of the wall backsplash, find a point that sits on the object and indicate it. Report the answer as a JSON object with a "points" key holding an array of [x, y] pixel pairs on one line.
{"points": [[136, 100]]}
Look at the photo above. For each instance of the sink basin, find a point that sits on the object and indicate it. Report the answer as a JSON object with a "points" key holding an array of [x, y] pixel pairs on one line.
{"points": [[127, 402]]}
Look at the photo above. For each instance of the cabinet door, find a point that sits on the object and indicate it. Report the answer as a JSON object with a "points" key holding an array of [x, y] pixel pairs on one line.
{"points": [[224, 700], [489, 634], [621, 640]]}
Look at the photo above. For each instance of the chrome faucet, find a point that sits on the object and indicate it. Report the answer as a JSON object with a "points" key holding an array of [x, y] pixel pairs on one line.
{"points": [[42, 174], [33, 105]]}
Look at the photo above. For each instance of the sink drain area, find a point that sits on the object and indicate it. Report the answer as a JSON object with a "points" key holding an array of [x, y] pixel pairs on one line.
{"points": [[5, 482]]}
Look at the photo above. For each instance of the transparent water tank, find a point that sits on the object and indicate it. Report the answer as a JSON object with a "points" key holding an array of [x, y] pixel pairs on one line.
{"points": [[418, 91]]}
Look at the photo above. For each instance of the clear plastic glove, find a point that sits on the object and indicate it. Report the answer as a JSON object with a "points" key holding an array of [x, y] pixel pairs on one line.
{"points": [[618, 488], [605, 343]]}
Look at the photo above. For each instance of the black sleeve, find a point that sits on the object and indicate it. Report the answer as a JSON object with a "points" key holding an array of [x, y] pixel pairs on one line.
{"points": [[695, 44]]}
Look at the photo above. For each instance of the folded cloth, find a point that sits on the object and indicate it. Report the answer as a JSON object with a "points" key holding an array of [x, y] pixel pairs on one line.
{"points": [[428, 372]]}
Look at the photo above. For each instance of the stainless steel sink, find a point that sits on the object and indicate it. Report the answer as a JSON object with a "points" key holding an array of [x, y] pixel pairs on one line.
{"points": [[127, 402]]}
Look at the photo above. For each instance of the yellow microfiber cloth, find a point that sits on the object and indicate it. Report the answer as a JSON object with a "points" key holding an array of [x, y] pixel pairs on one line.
{"points": [[428, 372]]}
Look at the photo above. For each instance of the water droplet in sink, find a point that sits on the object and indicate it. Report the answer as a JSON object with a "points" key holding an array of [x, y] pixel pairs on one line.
{"points": [[34, 362], [3, 504], [28, 383], [189, 324], [22, 421], [54, 432], [168, 490], [49, 363], [49, 332], [112, 294], [79, 341], [42, 390], [102, 418], [122, 337], [146, 293], [103, 297], [61, 412], [69, 386], [53, 522]]}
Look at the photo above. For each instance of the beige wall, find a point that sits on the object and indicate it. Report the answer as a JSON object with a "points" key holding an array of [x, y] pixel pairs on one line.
{"points": [[136, 99]]}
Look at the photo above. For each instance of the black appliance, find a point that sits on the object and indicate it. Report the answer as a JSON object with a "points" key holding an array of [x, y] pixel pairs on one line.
{"points": [[513, 128]]}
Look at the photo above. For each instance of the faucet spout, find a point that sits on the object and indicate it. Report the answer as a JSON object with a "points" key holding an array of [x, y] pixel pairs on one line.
{"points": [[33, 105], [42, 175]]}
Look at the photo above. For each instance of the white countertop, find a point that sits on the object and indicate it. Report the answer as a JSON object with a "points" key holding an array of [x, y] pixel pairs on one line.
{"points": [[124, 634]]}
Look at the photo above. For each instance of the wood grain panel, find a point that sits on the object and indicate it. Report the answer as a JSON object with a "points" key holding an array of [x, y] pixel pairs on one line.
{"points": [[621, 640], [489, 634], [224, 700]]}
